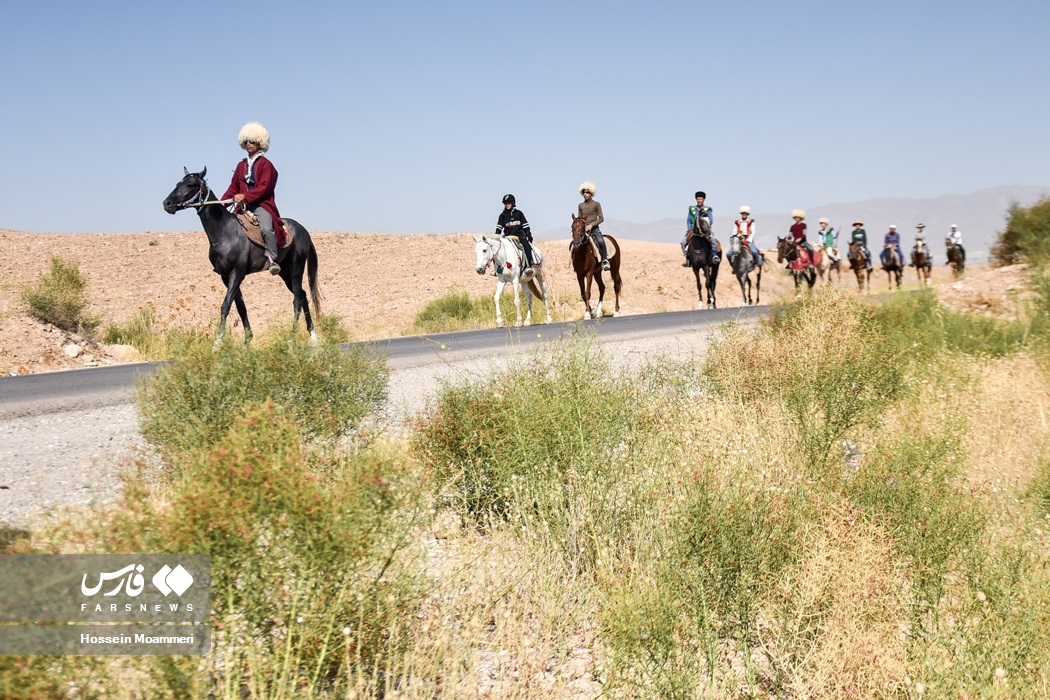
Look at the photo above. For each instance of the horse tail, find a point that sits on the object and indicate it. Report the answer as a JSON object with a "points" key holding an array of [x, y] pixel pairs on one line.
{"points": [[311, 269], [614, 266], [534, 287]]}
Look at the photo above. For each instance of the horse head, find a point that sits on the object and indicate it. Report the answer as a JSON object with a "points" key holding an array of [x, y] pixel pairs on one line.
{"points": [[191, 189], [578, 228], [485, 250], [785, 246]]}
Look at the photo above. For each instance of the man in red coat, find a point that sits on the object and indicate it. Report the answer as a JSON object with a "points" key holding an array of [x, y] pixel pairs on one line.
{"points": [[253, 185]]}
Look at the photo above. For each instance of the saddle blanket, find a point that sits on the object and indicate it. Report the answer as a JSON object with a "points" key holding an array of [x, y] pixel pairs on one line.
{"points": [[250, 224]]}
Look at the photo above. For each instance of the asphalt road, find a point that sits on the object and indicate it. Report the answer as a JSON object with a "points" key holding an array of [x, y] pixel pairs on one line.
{"points": [[92, 387]]}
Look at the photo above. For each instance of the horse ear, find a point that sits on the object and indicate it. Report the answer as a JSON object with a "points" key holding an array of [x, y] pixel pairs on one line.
{"points": [[573, 216], [184, 170], [477, 239], [204, 171]]}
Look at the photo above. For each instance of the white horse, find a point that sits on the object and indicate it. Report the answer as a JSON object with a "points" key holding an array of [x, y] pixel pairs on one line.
{"points": [[508, 261]]}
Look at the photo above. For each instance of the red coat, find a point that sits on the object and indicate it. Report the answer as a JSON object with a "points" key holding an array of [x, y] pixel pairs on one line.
{"points": [[261, 193]]}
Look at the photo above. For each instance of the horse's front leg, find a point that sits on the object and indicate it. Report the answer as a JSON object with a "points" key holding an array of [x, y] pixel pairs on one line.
{"points": [[585, 293], [500, 284], [745, 288], [699, 288], [233, 289], [711, 276]]}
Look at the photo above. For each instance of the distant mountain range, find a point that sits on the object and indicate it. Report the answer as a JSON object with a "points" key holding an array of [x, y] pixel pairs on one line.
{"points": [[979, 215]]}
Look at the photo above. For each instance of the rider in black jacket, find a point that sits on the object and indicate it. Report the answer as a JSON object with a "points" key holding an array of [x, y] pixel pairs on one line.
{"points": [[512, 222]]}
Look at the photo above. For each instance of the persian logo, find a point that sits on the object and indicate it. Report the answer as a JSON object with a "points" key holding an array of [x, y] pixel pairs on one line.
{"points": [[169, 580], [130, 579]]}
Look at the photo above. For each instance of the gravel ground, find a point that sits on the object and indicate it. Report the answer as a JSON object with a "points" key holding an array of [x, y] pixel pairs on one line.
{"points": [[75, 458]]}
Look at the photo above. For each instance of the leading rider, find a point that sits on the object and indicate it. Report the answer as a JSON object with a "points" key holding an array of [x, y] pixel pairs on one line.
{"points": [[253, 185], [692, 226], [512, 222], [591, 213]]}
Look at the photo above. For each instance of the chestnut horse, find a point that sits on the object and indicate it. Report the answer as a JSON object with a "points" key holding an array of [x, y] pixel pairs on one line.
{"points": [[587, 265], [956, 258], [858, 262], [892, 264]]}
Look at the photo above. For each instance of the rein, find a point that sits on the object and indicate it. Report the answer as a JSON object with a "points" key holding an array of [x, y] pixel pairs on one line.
{"points": [[198, 200]]}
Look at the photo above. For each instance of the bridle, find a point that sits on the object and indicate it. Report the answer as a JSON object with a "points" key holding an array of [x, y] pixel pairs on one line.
{"points": [[198, 200]]}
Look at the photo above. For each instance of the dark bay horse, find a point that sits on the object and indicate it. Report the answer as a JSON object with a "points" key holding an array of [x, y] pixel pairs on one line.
{"points": [[956, 258], [923, 266], [698, 253], [788, 249], [858, 262], [892, 264], [233, 256], [587, 265], [743, 264]]}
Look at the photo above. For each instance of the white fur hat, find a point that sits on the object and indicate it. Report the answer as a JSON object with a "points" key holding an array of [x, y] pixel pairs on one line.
{"points": [[745, 209], [590, 187], [893, 225], [799, 213], [823, 220], [256, 133]]}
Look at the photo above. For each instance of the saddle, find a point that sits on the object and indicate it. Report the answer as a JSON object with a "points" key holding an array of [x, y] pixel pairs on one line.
{"points": [[250, 224], [803, 261]]}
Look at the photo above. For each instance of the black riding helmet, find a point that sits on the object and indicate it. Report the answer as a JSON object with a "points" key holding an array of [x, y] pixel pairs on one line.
{"points": [[509, 199]]}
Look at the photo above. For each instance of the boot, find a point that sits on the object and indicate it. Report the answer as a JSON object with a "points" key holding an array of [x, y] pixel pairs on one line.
{"points": [[605, 265], [685, 263], [270, 239]]}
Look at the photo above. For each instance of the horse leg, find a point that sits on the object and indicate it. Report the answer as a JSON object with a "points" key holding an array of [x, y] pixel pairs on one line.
{"points": [[499, 292], [744, 280], [601, 293], [541, 283], [528, 305], [242, 311], [233, 287], [300, 304], [585, 293], [516, 286], [699, 289], [711, 277]]}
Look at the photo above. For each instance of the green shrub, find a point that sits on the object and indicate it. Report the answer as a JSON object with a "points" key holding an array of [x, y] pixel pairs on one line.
{"points": [[823, 358], [1039, 487], [191, 403], [59, 298], [551, 442], [145, 332], [914, 490], [456, 311], [332, 329], [1026, 237], [308, 581], [922, 328]]}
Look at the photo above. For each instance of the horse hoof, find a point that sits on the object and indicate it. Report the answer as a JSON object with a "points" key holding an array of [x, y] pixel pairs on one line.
{"points": [[517, 324], [586, 315], [499, 324], [616, 314], [528, 322], [313, 339], [550, 319]]}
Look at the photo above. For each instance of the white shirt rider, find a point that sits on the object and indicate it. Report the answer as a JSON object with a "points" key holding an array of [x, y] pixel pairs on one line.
{"points": [[955, 236]]}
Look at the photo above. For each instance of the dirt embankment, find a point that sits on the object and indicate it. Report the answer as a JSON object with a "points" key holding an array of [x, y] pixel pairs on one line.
{"points": [[372, 280]]}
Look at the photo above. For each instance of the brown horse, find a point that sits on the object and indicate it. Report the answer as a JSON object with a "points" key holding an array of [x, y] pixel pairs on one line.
{"points": [[923, 266], [858, 262], [956, 258], [587, 264]]}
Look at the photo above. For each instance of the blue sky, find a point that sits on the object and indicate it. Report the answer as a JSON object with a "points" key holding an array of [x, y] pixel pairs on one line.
{"points": [[413, 117]]}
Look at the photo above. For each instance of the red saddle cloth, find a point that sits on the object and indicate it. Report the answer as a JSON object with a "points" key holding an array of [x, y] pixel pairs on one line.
{"points": [[285, 233], [803, 261]]}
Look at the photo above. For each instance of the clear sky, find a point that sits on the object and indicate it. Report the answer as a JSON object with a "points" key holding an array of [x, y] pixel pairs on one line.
{"points": [[416, 117]]}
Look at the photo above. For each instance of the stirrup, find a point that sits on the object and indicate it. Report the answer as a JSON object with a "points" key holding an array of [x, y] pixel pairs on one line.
{"points": [[605, 265], [275, 269]]}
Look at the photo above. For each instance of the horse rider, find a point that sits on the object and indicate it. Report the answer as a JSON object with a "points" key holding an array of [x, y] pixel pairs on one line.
{"points": [[512, 222], [920, 244], [253, 185], [798, 233], [954, 238], [860, 236], [591, 213], [892, 239], [744, 228], [827, 236], [692, 223]]}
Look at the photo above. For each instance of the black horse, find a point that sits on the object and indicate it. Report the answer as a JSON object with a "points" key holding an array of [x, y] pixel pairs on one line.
{"points": [[698, 253], [233, 256]]}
